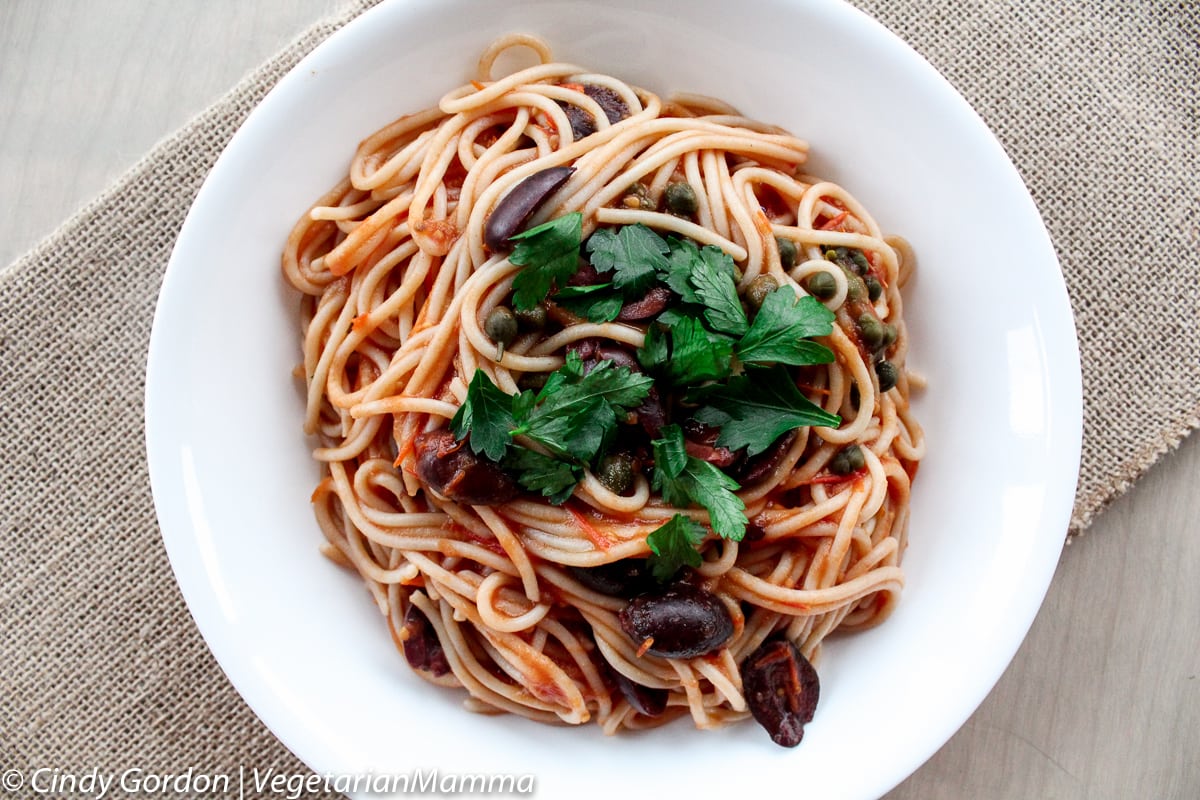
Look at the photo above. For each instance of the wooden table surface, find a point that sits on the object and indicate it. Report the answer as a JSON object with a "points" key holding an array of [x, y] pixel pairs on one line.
{"points": [[1101, 701]]}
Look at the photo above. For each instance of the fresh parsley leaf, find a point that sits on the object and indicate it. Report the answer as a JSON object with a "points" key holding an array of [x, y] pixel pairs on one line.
{"points": [[674, 546], [577, 413], [549, 254], [678, 272], [755, 409], [597, 303], [554, 479], [487, 414], [684, 480], [652, 355], [781, 328], [712, 276], [697, 354], [634, 253]]}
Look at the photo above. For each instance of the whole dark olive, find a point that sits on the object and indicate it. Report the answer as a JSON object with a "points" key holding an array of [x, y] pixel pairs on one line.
{"points": [[681, 621], [516, 207]]}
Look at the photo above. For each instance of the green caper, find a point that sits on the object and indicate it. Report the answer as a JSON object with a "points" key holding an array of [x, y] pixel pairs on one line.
{"points": [[501, 326], [531, 319], [821, 285], [855, 288], [638, 196], [874, 287], [787, 252], [681, 199], [870, 330], [889, 334], [759, 288], [615, 473], [848, 459], [887, 374], [861, 265]]}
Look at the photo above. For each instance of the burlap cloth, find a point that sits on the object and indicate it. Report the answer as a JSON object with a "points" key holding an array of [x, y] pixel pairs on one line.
{"points": [[100, 664]]}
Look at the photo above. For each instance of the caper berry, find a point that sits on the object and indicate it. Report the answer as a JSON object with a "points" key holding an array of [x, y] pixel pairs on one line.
{"points": [[787, 252], [889, 334], [874, 287], [848, 459], [501, 326], [870, 330], [531, 319], [681, 199], [821, 285], [887, 374], [759, 288], [615, 473]]}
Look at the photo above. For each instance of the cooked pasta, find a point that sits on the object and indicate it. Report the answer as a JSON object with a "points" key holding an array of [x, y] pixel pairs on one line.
{"points": [[582, 363]]}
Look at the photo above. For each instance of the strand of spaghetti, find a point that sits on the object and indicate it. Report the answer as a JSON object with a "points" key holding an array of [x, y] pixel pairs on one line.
{"points": [[745, 586]]}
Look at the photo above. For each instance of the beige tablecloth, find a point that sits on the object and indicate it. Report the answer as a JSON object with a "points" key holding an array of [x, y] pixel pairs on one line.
{"points": [[100, 664]]}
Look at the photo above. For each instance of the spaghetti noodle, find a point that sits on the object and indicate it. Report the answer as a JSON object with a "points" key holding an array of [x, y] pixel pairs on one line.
{"points": [[552, 594]]}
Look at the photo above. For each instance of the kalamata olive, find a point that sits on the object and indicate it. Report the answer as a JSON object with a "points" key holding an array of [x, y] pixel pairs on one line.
{"points": [[582, 123], [700, 440], [646, 701], [448, 467], [848, 459], [782, 690], [651, 414], [510, 214], [758, 467], [628, 577], [422, 649], [681, 621], [648, 305]]}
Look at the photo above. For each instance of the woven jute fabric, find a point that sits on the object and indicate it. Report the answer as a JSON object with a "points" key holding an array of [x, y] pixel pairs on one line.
{"points": [[100, 664]]}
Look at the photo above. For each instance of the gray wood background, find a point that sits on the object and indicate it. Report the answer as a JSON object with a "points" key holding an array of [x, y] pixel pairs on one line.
{"points": [[1103, 699]]}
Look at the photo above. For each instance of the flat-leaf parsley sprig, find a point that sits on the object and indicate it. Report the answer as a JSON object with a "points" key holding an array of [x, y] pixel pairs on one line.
{"points": [[708, 355]]}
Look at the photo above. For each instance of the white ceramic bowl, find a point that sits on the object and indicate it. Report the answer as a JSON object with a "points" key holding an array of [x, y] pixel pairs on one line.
{"points": [[990, 325]]}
